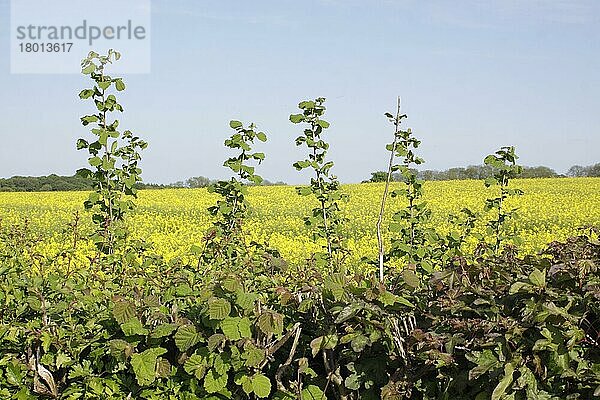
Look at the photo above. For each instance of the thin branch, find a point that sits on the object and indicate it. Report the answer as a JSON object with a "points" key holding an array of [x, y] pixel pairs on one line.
{"points": [[385, 194], [287, 363]]}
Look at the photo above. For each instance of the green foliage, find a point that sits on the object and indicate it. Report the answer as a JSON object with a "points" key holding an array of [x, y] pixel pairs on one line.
{"points": [[48, 183], [410, 225], [502, 327], [588, 171], [378, 176], [472, 172], [225, 241], [325, 220], [506, 168], [113, 157]]}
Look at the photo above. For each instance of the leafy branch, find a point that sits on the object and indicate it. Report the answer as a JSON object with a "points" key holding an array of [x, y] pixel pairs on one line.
{"points": [[225, 238], [325, 220], [114, 156], [504, 163]]}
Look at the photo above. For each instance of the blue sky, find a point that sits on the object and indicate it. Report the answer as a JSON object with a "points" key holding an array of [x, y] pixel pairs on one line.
{"points": [[472, 75]]}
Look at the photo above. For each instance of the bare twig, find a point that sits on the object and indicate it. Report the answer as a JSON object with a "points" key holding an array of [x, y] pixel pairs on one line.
{"points": [[287, 362]]}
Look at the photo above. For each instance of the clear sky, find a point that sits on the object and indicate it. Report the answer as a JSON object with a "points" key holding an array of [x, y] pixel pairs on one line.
{"points": [[473, 76]]}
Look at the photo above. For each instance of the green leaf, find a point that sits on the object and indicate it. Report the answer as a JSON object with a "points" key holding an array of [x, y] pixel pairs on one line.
{"points": [[312, 392], [323, 124], [503, 385], [245, 382], [186, 337], [491, 181], [214, 382], [95, 161], [195, 365], [82, 144], [120, 347], [89, 69], [119, 85], [86, 120], [528, 379], [235, 124], [104, 84], [308, 104], [218, 308], [359, 342], [326, 342], [244, 327], [486, 361], [270, 322], [296, 118], [229, 326], [245, 300], [123, 311], [388, 299], [220, 365], [253, 356], [230, 284], [538, 278], [215, 341], [144, 365], [13, 374], [86, 93], [163, 330], [261, 385], [352, 382], [62, 360], [411, 278], [347, 313], [261, 136], [133, 327], [304, 190], [520, 287]]}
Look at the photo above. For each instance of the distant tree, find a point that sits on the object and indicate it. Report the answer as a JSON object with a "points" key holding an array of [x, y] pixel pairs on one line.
{"points": [[473, 172], [538, 172], [44, 183], [576, 171], [266, 182], [455, 173], [378, 176], [145, 186], [55, 183], [197, 182], [484, 172], [429, 175], [594, 170]]}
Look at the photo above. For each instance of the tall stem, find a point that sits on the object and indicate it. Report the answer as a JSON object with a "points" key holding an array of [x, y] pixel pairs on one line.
{"points": [[108, 227], [385, 194], [323, 209], [503, 185]]}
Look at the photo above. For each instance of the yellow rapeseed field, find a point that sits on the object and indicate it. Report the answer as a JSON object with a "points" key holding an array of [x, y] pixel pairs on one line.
{"points": [[175, 219]]}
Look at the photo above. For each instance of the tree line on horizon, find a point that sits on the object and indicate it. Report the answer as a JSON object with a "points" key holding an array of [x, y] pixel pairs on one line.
{"points": [[57, 183], [479, 172]]}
